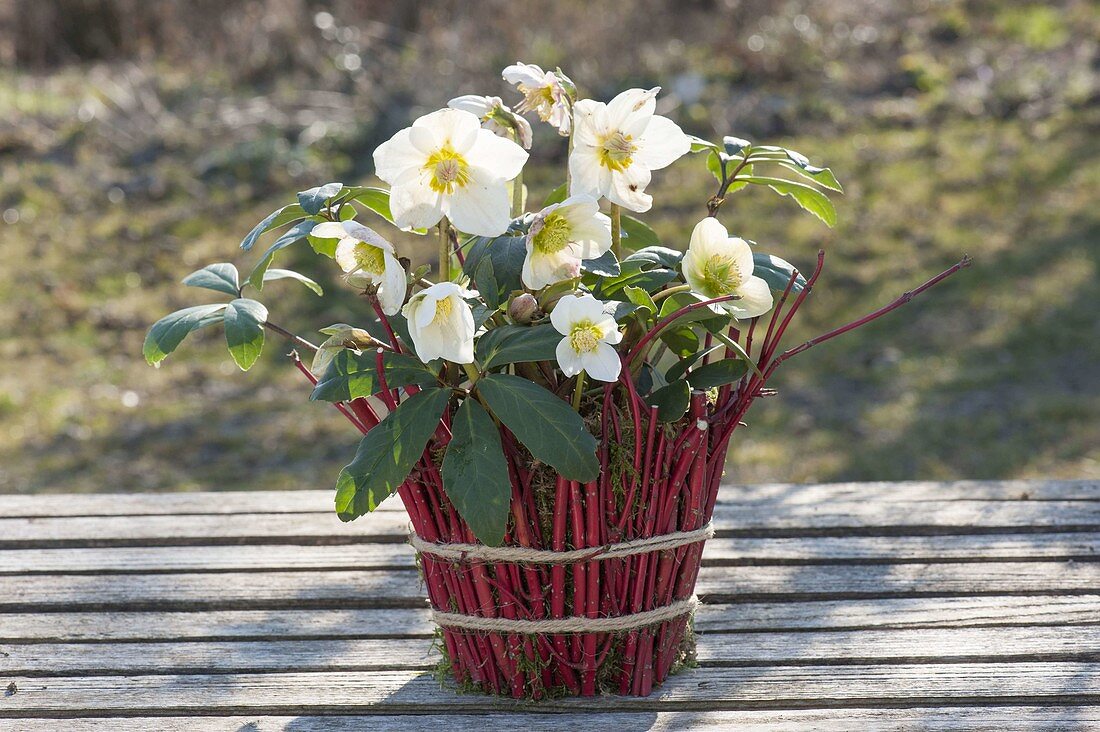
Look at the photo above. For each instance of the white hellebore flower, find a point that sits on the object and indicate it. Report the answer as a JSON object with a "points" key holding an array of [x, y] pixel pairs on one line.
{"points": [[367, 259], [543, 93], [441, 323], [617, 145], [717, 264], [561, 235], [447, 165], [590, 336], [495, 116]]}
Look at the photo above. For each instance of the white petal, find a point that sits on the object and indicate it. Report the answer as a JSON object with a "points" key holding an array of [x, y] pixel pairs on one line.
{"points": [[540, 270], [562, 314], [756, 299], [586, 175], [586, 114], [474, 104], [423, 139], [345, 254], [451, 126], [628, 188], [391, 292], [661, 143], [610, 329], [568, 359], [631, 110], [501, 157], [366, 234], [603, 364], [529, 75], [415, 206], [587, 308], [394, 158], [328, 230], [481, 207], [708, 237], [741, 253]]}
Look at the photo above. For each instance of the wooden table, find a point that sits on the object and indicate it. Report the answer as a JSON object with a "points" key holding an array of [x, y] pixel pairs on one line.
{"points": [[847, 606]]}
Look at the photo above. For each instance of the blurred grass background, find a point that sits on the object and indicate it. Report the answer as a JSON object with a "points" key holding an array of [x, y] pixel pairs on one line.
{"points": [[139, 141]]}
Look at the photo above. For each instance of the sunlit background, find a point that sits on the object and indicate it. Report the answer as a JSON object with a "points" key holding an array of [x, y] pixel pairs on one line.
{"points": [[141, 140]]}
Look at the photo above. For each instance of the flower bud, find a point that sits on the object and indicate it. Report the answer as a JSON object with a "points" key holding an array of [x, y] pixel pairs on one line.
{"points": [[523, 308]]}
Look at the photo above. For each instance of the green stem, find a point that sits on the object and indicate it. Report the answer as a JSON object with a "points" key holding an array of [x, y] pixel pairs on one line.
{"points": [[444, 250], [670, 291], [616, 231], [578, 391], [569, 154], [517, 195], [471, 372]]}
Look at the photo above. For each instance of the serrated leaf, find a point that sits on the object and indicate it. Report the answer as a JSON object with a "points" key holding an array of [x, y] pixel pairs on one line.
{"points": [[671, 401], [822, 176], [292, 236], [475, 473], [806, 196], [546, 425], [313, 200], [642, 299], [388, 453], [279, 217], [776, 272], [244, 331], [289, 274], [168, 332], [354, 374], [719, 373], [517, 344], [606, 265], [220, 277]]}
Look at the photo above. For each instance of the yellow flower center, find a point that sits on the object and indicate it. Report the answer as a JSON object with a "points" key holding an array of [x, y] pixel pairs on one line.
{"points": [[369, 259], [721, 275], [443, 309], [448, 169], [616, 151], [553, 236], [584, 336]]}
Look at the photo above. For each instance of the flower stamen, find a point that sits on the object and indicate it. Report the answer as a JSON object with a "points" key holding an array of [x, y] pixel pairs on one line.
{"points": [[616, 151], [584, 336], [721, 275], [553, 236], [448, 169]]}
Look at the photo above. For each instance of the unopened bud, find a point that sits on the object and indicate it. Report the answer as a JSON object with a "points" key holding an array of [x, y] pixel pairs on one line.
{"points": [[523, 309]]}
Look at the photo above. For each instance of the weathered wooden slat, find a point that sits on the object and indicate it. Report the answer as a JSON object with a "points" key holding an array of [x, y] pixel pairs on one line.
{"points": [[938, 612], [704, 689], [303, 501], [987, 645], [733, 519], [401, 588], [881, 549], [928, 719]]}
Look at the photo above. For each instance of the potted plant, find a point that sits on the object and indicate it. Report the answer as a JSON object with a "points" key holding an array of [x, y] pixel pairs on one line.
{"points": [[553, 403]]}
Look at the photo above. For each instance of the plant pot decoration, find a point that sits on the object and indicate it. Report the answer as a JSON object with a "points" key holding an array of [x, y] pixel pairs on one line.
{"points": [[553, 401]]}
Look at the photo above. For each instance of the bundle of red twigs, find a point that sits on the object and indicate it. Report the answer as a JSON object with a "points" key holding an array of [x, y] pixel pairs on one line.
{"points": [[656, 479]]}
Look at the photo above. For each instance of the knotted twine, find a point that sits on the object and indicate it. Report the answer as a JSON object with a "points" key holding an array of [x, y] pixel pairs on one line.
{"points": [[575, 624]]}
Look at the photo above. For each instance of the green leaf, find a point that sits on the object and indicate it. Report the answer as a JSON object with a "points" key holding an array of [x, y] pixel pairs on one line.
{"points": [[244, 331], [642, 299], [800, 164], [672, 303], [557, 195], [517, 344], [719, 373], [292, 236], [681, 340], [168, 332], [678, 369], [313, 200], [714, 165], [776, 272], [375, 199], [277, 218], [634, 274], [671, 401], [606, 265], [353, 374], [740, 351], [388, 453], [698, 144], [637, 233], [657, 256], [734, 145], [221, 277], [496, 280], [475, 474], [806, 196], [546, 425], [326, 247], [289, 274]]}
